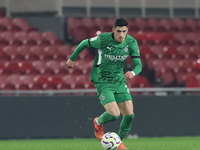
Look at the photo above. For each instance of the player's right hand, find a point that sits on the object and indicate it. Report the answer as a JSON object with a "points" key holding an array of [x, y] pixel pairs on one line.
{"points": [[70, 63]]}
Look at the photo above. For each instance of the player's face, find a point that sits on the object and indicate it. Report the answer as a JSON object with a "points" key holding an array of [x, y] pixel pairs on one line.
{"points": [[120, 33]]}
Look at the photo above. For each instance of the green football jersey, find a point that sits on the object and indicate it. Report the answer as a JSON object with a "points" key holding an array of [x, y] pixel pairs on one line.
{"points": [[110, 61]]}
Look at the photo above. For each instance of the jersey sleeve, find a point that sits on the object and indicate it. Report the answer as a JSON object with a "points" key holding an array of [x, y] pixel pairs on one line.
{"points": [[135, 55], [135, 50], [95, 42], [79, 49]]}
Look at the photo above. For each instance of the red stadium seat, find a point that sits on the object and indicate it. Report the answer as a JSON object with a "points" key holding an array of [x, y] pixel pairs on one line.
{"points": [[2, 28], [145, 51], [38, 38], [160, 66], [188, 64], [7, 36], [26, 67], [153, 22], [93, 31], [14, 79], [64, 86], [87, 22], [52, 38], [13, 67], [65, 50], [194, 37], [3, 42], [72, 80], [192, 23], [39, 65], [54, 65], [63, 70], [195, 51], [173, 64], [181, 75], [80, 33], [22, 87], [22, 23], [13, 53], [192, 81], [168, 78], [52, 50], [3, 80], [84, 80], [6, 22], [1, 67], [178, 22], [49, 86], [27, 80], [41, 80], [157, 50], [36, 86], [147, 28], [5, 84], [22, 36], [138, 81], [143, 36], [155, 36], [100, 22], [40, 52], [72, 23], [8, 87], [185, 51], [171, 51], [166, 23], [56, 79], [26, 52], [78, 86], [139, 22]]}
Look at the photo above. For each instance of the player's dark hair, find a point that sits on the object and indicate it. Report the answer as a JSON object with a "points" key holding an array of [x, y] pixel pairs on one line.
{"points": [[120, 22]]}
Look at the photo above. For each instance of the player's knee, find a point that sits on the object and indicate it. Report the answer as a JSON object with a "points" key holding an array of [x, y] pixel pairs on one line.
{"points": [[114, 112], [114, 118], [129, 117]]}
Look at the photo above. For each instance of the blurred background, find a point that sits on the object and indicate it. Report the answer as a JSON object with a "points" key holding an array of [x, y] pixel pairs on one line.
{"points": [[41, 98]]}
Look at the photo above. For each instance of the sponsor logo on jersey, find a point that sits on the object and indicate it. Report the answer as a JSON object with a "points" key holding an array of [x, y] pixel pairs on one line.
{"points": [[115, 58], [94, 38]]}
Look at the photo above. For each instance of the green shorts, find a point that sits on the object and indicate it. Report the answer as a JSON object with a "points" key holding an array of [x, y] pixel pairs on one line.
{"points": [[113, 92]]}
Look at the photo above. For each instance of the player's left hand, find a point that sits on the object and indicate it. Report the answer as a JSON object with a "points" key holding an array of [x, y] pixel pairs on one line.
{"points": [[129, 75], [70, 63]]}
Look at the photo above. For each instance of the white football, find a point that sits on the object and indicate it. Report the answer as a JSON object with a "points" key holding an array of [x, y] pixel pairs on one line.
{"points": [[110, 141]]}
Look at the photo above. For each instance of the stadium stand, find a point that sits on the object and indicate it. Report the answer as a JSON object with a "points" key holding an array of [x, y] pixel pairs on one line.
{"points": [[31, 60]]}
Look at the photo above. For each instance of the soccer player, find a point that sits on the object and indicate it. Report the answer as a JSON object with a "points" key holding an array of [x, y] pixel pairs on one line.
{"points": [[108, 76]]}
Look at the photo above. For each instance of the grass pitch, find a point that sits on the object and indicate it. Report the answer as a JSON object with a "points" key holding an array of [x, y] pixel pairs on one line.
{"points": [[164, 143]]}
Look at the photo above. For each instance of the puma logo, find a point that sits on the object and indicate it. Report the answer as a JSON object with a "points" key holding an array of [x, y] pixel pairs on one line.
{"points": [[108, 48]]}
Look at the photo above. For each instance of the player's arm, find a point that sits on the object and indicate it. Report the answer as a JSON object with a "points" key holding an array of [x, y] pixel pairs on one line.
{"points": [[70, 62], [92, 43], [135, 56], [137, 69]]}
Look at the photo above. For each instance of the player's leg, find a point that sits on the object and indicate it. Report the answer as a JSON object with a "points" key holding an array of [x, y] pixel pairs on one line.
{"points": [[107, 99], [124, 100], [126, 109], [112, 113]]}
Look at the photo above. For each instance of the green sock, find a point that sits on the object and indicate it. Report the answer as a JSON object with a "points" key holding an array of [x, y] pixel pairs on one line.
{"points": [[106, 117], [125, 126]]}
